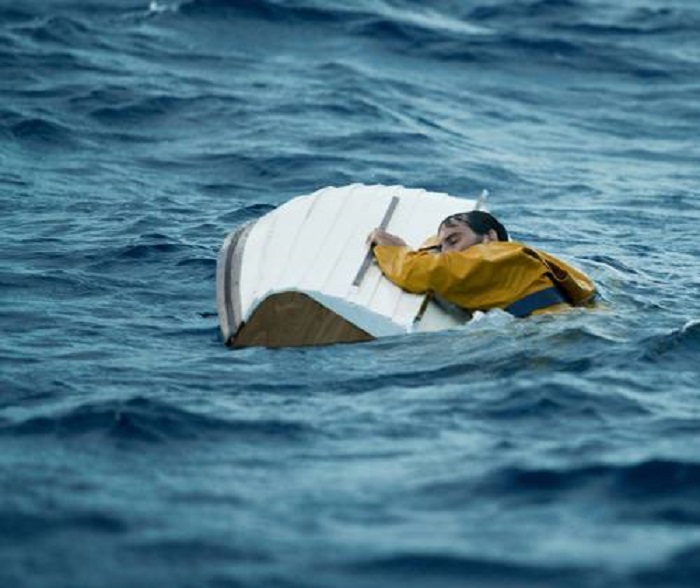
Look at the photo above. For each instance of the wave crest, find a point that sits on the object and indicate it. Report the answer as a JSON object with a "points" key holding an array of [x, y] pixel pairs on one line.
{"points": [[151, 421], [263, 9]]}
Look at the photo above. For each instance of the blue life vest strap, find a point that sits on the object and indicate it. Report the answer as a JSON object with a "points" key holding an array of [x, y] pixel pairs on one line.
{"points": [[535, 301]]}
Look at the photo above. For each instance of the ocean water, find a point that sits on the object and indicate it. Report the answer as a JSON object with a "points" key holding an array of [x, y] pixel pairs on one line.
{"points": [[136, 450]]}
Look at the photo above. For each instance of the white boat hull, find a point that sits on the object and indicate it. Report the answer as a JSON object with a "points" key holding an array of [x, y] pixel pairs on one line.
{"points": [[300, 274]]}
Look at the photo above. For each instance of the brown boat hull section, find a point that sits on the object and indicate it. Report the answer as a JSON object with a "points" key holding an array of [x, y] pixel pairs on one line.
{"points": [[293, 319]]}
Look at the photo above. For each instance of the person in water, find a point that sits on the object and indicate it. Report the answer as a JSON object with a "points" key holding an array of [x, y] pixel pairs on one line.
{"points": [[472, 264]]}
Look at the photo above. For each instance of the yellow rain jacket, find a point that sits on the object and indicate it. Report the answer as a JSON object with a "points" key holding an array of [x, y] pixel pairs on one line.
{"points": [[500, 274]]}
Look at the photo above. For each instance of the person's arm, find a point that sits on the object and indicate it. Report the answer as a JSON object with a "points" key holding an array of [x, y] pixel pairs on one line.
{"points": [[382, 237], [406, 268], [420, 271], [481, 277]]}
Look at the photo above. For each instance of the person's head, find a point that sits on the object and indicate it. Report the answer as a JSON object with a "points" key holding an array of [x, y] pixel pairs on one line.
{"points": [[460, 231]]}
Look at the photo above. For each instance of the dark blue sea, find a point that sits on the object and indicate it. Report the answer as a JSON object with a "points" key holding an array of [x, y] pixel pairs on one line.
{"points": [[136, 450]]}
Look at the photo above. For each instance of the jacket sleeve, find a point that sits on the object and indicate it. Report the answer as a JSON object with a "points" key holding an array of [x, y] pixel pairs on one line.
{"points": [[483, 276], [415, 271]]}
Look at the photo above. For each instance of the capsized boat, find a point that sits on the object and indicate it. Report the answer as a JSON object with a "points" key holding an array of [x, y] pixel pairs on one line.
{"points": [[303, 275]]}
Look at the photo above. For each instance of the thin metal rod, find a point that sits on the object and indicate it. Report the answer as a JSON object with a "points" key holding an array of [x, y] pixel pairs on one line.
{"points": [[481, 201], [368, 258]]}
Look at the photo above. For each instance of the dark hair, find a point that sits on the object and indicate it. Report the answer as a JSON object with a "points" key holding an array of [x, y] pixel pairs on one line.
{"points": [[478, 221]]}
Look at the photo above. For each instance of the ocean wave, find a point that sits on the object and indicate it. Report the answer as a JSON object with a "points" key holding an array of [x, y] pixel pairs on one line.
{"points": [[151, 421], [269, 10], [140, 110], [575, 16], [38, 65], [27, 526], [13, 14], [149, 250], [559, 403], [542, 46], [584, 54], [634, 27], [286, 173], [60, 30], [681, 345], [107, 95], [410, 34], [650, 480], [199, 551], [207, 263], [419, 569], [532, 8], [58, 284], [384, 141], [243, 214], [43, 132], [563, 361], [681, 570], [412, 24], [667, 19]]}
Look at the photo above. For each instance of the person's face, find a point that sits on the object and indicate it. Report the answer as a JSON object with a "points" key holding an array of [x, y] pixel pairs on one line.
{"points": [[458, 237]]}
